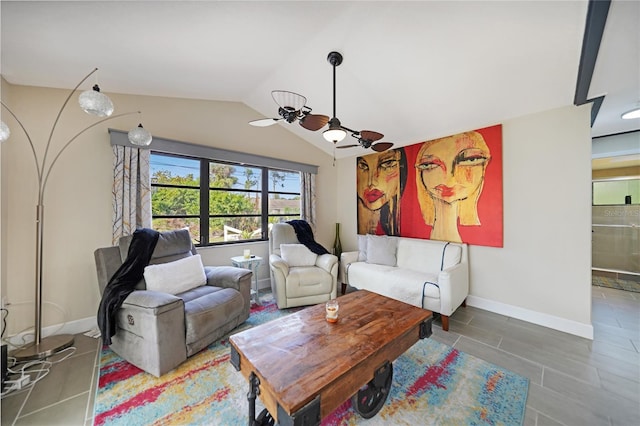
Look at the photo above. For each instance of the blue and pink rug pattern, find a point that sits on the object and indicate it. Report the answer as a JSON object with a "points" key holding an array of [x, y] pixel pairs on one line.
{"points": [[432, 384]]}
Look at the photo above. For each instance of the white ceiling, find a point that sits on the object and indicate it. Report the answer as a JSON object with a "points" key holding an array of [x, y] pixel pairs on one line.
{"points": [[412, 70]]}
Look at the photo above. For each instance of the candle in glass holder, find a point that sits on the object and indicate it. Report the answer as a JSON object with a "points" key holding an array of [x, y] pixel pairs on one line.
{"points": [[332, 310], [247, 253]]}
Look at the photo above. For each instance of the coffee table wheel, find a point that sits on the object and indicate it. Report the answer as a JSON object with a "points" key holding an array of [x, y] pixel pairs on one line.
{"points": [[371, 398], [264, 419]]}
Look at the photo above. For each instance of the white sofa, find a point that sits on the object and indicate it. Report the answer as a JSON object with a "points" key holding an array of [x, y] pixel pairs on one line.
{"points": [[432, 275]]}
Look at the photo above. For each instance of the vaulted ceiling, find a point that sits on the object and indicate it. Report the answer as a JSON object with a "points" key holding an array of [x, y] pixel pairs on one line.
{"points": [[412, 70]]}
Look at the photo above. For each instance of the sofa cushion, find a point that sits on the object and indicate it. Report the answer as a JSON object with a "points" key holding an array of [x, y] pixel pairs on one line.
{"points": [[281, 233], [304, 281], [176, 277], [381, 250], [427, 255], [297, 255], [401, 284], [212, 310], [172, 245], [362, 248]]}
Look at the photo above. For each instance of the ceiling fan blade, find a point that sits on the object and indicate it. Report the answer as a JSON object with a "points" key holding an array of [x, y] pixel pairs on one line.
{"points": [[264, 122], [381, 146], [370, 135], [347, 146], [289, 99], [314, 122]]}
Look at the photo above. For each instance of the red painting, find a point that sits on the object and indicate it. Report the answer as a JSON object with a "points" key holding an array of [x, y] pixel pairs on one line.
{"points": [[447, 189]]}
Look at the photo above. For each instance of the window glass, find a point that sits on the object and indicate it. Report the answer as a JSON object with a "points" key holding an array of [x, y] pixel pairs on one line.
{"points": [[616, 192], [227, 205]]}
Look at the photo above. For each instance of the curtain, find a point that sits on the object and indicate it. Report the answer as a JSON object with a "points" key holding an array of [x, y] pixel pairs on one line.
{"points": [[131, 191], [308, 198]]}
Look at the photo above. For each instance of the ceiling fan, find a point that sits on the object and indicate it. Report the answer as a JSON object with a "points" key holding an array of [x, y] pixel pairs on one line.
{"points": [[293, 107]]}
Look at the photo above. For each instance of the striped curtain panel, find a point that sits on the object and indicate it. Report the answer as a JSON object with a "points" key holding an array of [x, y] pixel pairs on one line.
{"points": [[131, 191], [308, 198]]}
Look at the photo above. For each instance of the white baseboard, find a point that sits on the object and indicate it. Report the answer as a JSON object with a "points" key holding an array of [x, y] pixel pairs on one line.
{"points": [[539, 318], [71, 327]]}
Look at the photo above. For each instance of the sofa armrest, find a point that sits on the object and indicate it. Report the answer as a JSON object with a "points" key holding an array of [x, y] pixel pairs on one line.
{"points": [[277, 264], [326, 262], [228, 277], [454, 287], [154, 301], [347, 258]]}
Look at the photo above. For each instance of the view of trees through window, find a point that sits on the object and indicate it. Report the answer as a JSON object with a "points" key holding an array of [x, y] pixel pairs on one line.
{"points": [[220, 202]]}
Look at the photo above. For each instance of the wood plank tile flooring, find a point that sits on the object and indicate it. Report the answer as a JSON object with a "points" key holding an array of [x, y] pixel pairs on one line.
{"points": [[573, 381]]}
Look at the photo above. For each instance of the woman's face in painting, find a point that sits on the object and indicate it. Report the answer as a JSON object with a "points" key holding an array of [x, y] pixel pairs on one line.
{"points": [[378, 178], [451, 169]]}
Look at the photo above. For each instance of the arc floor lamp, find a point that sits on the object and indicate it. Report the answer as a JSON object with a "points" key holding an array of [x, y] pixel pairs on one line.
{"points": [[92, 102]]}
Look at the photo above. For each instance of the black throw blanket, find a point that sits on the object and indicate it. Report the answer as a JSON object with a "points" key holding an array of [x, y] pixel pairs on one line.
{"points": [[125, 279], [305, 236]]}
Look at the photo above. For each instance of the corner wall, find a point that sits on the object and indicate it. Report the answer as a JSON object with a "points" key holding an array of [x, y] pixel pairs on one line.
{"points": [[543, 272]]}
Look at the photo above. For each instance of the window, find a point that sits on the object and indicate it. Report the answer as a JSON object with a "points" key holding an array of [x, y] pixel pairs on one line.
{"points": [[220, 202], [611, 192]]}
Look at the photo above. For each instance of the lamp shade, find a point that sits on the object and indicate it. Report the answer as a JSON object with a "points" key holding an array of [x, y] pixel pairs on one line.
{"points": [[139, 136], [335, 133], [95, 103], [4, 131]]}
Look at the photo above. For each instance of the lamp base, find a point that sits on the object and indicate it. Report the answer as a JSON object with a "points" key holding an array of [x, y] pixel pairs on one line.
{"points": [[47, 347]]}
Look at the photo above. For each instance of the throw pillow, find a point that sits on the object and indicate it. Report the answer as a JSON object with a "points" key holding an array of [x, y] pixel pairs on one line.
{"points": [[176, 277], [362, 248], [381, 250], [297, 255]]}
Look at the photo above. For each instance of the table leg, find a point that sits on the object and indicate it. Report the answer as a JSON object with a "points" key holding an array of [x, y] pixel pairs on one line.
{"points": [[264, 419], [257, 293]]}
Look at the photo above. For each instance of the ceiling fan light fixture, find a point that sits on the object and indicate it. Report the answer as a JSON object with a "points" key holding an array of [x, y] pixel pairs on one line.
{"points": [[335, 133], [630, 115]]}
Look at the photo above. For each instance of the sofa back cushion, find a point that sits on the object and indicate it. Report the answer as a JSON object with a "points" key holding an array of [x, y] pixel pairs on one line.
{"points": [[297, 255], [171, 246], [281, 233], [427, 255], [381, 250]]}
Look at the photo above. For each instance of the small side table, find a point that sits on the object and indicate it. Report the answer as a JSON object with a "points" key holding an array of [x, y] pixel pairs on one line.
{"points": [[251, 264]]}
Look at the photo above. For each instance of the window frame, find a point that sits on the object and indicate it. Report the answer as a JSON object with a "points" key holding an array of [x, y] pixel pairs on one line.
{"points": [[205, 189]]}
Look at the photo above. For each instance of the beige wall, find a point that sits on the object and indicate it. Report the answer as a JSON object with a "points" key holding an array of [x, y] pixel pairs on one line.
{"points": [[543, 272], [541, 275], [78, 195]]}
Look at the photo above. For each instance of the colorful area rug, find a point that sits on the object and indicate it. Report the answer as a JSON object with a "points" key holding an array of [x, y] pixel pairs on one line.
{"points": [[616, 283], [433, 384]]}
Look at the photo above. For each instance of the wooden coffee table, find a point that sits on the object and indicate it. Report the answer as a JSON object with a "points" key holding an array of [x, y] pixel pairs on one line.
{"points": [[303, 367]]}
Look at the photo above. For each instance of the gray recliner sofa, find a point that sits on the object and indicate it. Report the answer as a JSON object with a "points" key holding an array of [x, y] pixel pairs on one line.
{"points": [[158, 331]]}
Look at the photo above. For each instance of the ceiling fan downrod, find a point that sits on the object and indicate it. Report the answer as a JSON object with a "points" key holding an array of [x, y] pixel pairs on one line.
{"points": [[336, 132], [335, 59]]}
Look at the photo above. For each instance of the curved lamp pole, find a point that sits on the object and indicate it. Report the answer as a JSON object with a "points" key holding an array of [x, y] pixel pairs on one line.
{"points": [[44, 347]]}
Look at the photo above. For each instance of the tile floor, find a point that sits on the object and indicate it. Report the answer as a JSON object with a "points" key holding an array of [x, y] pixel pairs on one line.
{"points": [[573, 381]]}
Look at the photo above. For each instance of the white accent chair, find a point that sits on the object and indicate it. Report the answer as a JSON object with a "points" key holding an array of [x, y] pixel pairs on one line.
{"points": [[303, 280]]}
